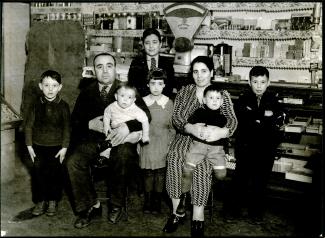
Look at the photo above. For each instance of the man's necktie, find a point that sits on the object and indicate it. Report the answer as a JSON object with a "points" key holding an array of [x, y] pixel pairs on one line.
{"points": [[104, 94], [153, 63], [258, 100]]}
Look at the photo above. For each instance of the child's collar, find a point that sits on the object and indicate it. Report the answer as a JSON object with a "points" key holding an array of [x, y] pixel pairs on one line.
{"points": [[161, 101], [56, 100]]}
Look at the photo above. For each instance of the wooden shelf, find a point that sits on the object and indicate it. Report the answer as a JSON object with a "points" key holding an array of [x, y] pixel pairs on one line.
{"points": [[256, 35], [121, 33], [272, 63]]}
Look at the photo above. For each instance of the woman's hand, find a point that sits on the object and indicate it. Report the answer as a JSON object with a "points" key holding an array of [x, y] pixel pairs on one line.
{"points": [[198, 130], [96, 124], [31, 152], [118, 134], [215, 133], [61, 154]]}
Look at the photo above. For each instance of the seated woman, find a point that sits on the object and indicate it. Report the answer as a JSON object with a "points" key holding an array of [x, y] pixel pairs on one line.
{"points": [[187, 100]]}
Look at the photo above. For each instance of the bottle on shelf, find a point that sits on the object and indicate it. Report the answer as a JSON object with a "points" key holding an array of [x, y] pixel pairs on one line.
{"points": [[116, 22], [139, 20]]}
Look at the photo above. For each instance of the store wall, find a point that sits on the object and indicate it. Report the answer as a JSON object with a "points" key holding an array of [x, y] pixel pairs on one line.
{"points": [[15, 24]]}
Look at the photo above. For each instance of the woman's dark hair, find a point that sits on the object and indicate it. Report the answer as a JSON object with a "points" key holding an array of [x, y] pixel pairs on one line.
{"points": [[258, 71], [149, 32], [52, 74], [157, 74], [205, 60]]}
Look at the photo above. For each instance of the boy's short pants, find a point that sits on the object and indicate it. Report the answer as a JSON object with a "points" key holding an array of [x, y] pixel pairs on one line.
{"points": [[199, 151]]}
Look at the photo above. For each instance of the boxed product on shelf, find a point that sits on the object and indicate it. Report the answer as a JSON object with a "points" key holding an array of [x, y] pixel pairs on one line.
{"points": [[282, 165], [293, 101], [301, 174], [303, 121], [294, 128]]}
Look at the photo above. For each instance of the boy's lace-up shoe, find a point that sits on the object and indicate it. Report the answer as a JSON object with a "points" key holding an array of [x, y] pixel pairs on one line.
{"points": [[39, 209], [51, 210]]}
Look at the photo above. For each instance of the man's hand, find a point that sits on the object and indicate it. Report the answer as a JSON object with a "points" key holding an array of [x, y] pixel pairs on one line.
{"points": [[61, 153], [215, 133], [96, 124], [31, 152], [118, 134]]}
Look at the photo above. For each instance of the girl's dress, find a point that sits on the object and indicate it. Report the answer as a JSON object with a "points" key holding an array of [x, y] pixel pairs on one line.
{"points": [[153, 155]]}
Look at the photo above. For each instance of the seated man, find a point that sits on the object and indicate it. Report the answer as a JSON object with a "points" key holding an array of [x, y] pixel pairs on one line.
{"points": [[87, 133]]}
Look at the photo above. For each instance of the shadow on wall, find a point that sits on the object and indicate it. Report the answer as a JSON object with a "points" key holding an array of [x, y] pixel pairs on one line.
{"points": [[56, 45]]}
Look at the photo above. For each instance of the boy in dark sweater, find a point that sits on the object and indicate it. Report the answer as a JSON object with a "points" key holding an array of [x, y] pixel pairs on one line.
{"points": [[209, 115], [47, 136]]}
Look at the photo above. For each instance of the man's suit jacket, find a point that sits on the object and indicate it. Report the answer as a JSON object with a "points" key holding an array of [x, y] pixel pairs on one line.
{"points": [[90, 105], [138, 73]]}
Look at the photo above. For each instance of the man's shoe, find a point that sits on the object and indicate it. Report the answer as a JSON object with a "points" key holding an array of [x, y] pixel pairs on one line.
{"points": [[115, 215], [181, 209], [51, 210], [172, 223], [197, 229], [39, 209], [85, 217]]}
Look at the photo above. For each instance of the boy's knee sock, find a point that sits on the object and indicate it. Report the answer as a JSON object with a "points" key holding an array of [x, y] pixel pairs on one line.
{"points": [[148, 180], [220, 174], [159, 177]]}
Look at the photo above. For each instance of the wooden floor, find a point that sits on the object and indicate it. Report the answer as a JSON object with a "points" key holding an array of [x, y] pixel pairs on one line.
{"points": [[283, 217]]}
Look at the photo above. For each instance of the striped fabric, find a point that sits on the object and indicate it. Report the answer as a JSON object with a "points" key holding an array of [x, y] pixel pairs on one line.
{"points": [[185, 104]]}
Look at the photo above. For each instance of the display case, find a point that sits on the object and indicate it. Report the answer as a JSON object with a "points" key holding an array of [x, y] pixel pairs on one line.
{"points": [[10, 120]]}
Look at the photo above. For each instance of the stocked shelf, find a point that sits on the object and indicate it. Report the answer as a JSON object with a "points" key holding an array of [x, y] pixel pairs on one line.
{"points": [[120, 33], [209, 34], [214, 6]]}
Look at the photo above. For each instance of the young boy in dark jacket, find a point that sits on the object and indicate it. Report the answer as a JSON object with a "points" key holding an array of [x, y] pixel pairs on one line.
{"points": [[259, 119]]}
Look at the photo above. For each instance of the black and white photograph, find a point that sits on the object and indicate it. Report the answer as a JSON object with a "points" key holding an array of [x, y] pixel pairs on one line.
{"points": [[162, 119]]}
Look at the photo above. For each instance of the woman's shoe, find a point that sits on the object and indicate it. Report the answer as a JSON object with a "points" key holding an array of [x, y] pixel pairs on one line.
{"points": [[172, 223], [197, 229]]}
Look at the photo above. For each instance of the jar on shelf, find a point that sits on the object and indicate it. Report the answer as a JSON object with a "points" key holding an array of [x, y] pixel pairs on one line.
{"points": [[117, 44], [122, 20], [131, 22]]}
